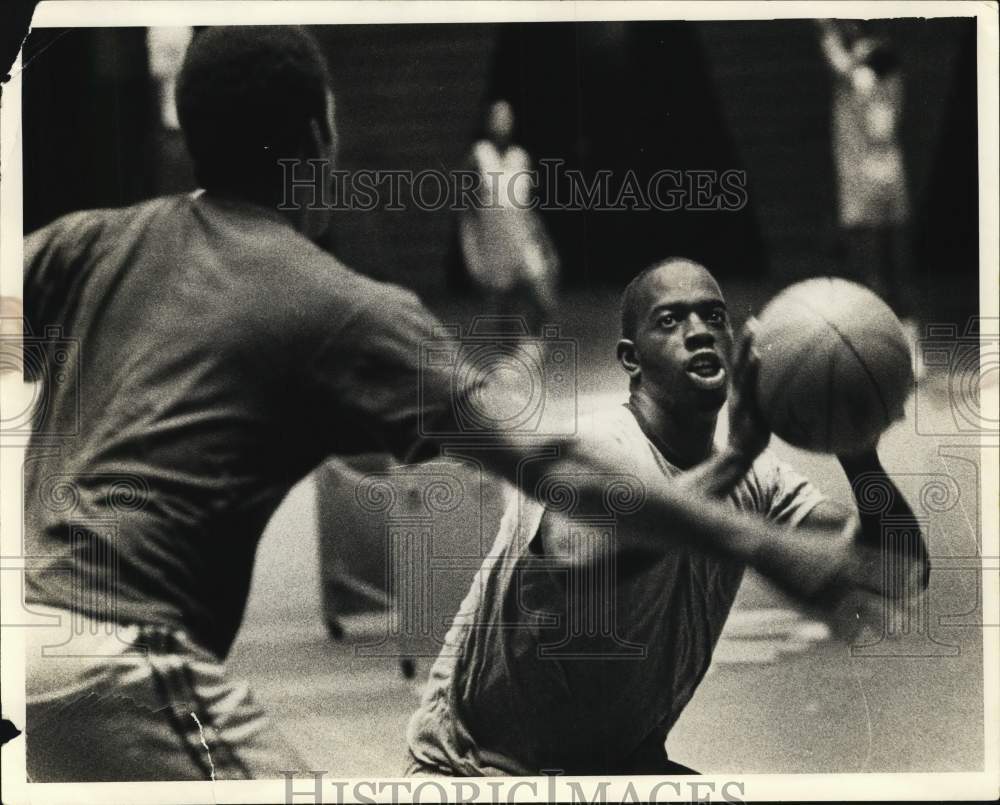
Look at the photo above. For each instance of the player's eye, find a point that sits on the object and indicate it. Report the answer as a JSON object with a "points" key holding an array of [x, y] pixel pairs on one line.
{"points": [[717, 316], [666, 320]]}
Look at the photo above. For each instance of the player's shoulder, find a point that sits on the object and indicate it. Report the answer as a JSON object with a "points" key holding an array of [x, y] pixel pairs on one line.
{"points": [[357, 307], [610, 418], [517, 158], [79, 221], [773, 486], [486, 153], [614, 428], [316, 282], [770, 477], [80, 230], [83, 223], [381, 305], [766, 469]]}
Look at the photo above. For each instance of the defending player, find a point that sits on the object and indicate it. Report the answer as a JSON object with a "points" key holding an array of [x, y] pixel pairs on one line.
{"points": [[587, 670]]}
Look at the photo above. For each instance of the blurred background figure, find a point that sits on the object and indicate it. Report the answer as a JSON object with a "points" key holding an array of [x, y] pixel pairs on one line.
{"points": [[506, 250], [873, 201]]}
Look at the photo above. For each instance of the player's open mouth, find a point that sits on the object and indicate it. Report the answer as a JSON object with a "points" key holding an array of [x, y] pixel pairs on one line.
{"points": [[706, 371]]}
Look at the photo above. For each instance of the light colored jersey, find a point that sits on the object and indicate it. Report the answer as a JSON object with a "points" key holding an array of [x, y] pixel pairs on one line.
{"points": [[549, 668]]}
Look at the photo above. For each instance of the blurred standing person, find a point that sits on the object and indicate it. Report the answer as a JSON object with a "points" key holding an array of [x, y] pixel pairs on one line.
{"points": [[504, 244], [873, 208]]}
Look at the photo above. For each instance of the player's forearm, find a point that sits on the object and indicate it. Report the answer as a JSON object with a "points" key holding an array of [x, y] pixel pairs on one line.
{"points": [[718, 476], [803, 562], [868, 478], [808, 564], [892, 527], [693, 517], [669, 516]]}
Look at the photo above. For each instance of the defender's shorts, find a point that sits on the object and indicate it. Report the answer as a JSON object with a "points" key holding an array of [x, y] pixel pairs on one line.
{"points": [[111, 702]]}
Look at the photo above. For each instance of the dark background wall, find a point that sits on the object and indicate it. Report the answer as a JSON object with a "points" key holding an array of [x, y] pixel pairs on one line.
{"points": [[411, 97], [775, 92]]}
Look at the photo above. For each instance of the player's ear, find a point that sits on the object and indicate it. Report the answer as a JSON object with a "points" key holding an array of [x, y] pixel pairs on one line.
{"points": [[317, 143], [628, 357], [322, 134], [317, 140]]}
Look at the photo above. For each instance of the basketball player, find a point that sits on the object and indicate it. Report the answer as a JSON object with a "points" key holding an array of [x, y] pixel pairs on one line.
{"points": [[586, 672], [222, 356]]}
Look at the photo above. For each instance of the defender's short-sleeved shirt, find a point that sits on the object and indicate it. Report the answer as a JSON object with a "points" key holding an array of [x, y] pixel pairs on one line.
{"points": [[208, 356], [548, 668]]}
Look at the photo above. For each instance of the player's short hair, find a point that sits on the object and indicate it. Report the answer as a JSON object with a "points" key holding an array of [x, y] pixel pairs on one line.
{"points": [[630, 302], [245, 98], [632, 296]]}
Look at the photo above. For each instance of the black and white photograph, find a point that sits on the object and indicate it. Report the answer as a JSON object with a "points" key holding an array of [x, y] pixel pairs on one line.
{"points": [[426, 402]]}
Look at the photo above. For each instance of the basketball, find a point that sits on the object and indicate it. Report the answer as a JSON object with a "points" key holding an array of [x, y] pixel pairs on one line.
{"points": [[835, 367]]}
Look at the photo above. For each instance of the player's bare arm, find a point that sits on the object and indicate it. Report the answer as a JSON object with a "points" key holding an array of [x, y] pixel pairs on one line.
{"points": [[836, 575], [865, 472]]}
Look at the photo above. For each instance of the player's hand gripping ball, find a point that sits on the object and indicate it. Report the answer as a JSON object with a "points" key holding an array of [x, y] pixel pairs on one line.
{"points": [[835, 366]]}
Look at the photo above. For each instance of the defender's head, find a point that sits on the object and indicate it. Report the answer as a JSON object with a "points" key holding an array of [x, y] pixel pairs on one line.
{"points": [[248, 96], [676, 341]]}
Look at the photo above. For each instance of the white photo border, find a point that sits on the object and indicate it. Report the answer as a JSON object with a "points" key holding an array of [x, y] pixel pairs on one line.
{"points": [[801, 787]]}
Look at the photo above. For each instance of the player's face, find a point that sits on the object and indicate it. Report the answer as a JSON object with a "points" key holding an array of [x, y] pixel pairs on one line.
{"points": [[684, 339]]}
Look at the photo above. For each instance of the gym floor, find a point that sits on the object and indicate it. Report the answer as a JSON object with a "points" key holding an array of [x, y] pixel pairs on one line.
{"points": [[780, 697]]}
